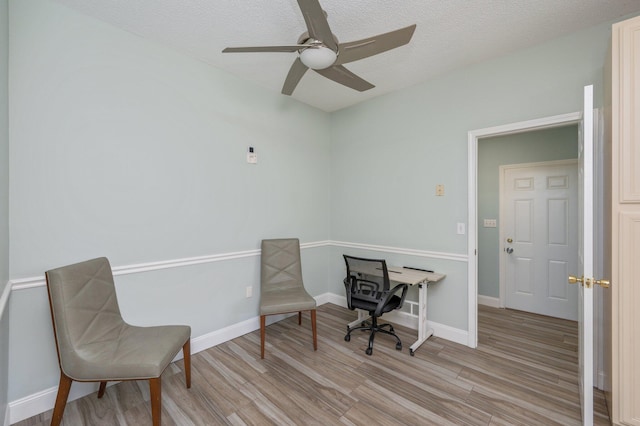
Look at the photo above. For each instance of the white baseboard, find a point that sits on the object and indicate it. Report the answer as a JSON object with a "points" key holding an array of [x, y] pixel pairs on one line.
{"points": [[493, 302], [600, 380], [6, 417], [42, 401], [405, 319], [214, 338]]}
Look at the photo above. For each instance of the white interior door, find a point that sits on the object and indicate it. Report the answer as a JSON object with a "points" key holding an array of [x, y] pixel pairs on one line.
{"points": [[585, 255], [540, 237]]}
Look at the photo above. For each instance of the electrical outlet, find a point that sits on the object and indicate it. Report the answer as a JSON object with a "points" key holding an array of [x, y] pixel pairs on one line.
{"points": [[249, 291], [440, 190]]}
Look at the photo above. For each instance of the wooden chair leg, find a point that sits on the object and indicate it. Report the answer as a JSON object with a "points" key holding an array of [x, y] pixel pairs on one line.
{"points": [[61, 399], [101, 389], [313, 329], [155, 388], [262, 331], [299, 317], [186, 354]]}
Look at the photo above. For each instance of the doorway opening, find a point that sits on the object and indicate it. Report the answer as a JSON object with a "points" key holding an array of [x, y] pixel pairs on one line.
{"points": [[474, 137], [528, 221]]}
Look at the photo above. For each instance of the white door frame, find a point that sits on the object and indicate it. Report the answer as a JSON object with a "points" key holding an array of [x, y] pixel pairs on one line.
{"points": [[502, 209], [472, 235]]}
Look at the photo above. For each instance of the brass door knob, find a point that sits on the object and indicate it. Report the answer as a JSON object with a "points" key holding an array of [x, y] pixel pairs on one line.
{"points": [[574, 280], [587, 282]]}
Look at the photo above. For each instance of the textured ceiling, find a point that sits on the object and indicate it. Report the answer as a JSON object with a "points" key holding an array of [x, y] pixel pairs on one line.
{"points": [[450, 34]]}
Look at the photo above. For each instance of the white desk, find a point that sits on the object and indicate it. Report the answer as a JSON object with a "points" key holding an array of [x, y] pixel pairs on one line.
{"points": [[411, 277]]}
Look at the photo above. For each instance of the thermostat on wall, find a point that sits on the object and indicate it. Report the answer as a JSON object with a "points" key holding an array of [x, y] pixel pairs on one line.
{"points": [[252, 157]]}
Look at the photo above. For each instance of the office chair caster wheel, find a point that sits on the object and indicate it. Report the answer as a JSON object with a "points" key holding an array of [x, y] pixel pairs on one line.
{"points": [[398, 346], [369, 351], [347, 338], [411, 352]]}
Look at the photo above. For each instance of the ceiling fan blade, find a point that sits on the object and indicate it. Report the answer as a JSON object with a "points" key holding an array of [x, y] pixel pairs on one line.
{"points": [[292, 48], [296, 72], [341, 75], [360, 49], [317, 24]]}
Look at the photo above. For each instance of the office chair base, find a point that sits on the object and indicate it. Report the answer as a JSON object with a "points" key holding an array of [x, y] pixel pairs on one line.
{"points": [[374, 328]]}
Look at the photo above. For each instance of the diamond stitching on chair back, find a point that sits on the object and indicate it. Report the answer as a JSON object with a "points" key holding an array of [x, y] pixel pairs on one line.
{"points": [[85, 307], [280, 264]]}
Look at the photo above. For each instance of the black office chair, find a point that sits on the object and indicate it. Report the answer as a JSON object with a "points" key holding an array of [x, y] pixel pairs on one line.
{"points": [[367, 286]]}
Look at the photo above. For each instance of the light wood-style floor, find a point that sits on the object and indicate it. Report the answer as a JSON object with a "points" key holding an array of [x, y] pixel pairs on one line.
{"points": [[524, 372]]}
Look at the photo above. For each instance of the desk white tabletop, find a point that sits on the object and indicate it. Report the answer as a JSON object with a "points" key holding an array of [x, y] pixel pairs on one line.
{"points": [[413, 276], [404, 275]]}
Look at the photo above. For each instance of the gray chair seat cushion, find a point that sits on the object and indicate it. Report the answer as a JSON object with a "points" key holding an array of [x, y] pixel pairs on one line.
{"points": [[283, 300], [130, 352]]}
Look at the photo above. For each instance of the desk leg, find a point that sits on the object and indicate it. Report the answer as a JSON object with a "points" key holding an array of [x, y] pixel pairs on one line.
{"points": [[362, 316], [423, 332]]}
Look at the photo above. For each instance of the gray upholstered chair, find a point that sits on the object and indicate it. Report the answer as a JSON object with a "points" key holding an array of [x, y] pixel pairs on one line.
{"points": [[281, 287], [94, 343]]}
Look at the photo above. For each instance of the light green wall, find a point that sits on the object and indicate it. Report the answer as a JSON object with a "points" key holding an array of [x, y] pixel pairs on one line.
{"points": [[125, 148], [388, 154], [4, 204], [544, 145]]}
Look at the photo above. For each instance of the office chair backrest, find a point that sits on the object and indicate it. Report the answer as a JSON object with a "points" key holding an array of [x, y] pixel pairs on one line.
{"points": [[368, 275]]}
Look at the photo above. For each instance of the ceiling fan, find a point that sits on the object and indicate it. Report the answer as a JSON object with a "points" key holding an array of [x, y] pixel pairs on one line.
{"points": [[320, 50]]}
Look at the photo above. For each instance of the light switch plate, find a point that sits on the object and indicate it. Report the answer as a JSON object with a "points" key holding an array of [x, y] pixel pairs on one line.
{"points": [[490, 223]]}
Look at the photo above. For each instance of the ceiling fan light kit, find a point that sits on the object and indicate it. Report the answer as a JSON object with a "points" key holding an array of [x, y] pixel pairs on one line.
{"points": [[323, 54], [318, 57]]}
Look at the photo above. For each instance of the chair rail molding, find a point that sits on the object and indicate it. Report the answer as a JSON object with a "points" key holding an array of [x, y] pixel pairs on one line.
{"points": [[39, 281], [399, 250]]}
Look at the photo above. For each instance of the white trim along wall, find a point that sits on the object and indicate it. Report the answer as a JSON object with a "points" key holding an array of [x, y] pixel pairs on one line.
{"points": [[42, 401], [25, 283]]}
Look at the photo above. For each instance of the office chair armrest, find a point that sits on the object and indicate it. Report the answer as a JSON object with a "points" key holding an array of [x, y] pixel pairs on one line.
{"points": [[404, 293], [388, 295], [364, 288], [349, 282]]}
